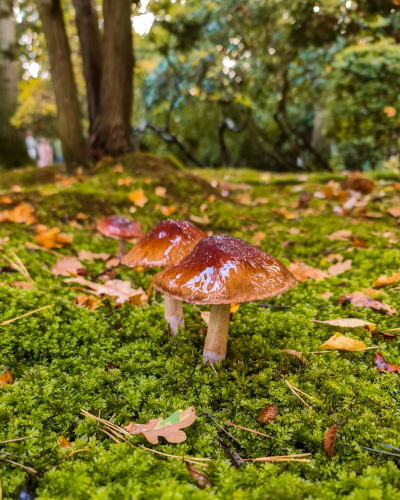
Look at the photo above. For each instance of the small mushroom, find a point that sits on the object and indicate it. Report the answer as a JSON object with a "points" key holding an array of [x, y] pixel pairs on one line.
{"points": [[165, 245], [222, 270], [121, 229]]}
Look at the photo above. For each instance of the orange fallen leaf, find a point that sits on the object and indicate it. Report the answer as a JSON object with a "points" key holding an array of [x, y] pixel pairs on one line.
{"points": [[22, 285], [6, 378], [257, 238], [91, 303], [6, 200], [138, 198], [389, 111], [211, 198], [343, 343], [22, 213], [383, 365], [118, 169], [344, 234], [268, 413], [359, 243], [168, 210], [363, 300], [243, 199], [325, 295], [334, 256], [285, 213], [52, 238], [385, 280], [394, 211], [126, 181], [200, 220], [371, 292], [64, 443], [160, 191], [302, 272], [81, 216], [347, 323]]}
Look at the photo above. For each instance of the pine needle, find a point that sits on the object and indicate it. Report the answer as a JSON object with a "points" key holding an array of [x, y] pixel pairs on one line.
{"points": [[295, 393], [283, 458], [23, 316], [192, 460]]}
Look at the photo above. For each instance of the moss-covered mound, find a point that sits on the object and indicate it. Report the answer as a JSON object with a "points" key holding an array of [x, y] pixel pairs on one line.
{"points": [[57, 356]]}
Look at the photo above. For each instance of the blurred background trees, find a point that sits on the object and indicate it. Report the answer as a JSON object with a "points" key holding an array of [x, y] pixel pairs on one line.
{"points": [[271, 84]]}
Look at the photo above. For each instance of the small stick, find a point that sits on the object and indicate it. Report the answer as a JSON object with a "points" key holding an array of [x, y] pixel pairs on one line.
{"points": [[295, 393], [226, 432], [33, 246], [18, 439], [110, 435], [212, 366], [283, 458], [393, 330], [150, 287], [75, 451], [246, 429], [12, 455], [112, 417], [23, 316], [29, 469]]}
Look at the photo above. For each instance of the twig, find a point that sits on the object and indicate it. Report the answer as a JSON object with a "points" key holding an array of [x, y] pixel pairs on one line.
{"points": [[23, 316], [295, 393], [33, 246], [12, 455], [226, 432], [212, 366], [380, 451], [388, 446], [75, 451], [18, 439], [245, 428], [193, 460], [283, 458], [29, 469]]}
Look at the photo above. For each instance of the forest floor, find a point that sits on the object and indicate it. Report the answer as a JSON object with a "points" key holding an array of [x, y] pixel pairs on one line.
{"points": [[119, 361]]}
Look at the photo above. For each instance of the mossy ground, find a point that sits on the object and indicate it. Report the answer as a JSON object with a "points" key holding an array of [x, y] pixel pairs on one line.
{"points": [[57, 356]]}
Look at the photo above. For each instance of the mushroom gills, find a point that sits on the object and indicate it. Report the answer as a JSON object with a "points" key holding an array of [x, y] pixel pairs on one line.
{"points": [[217, 333], [173, 313]]}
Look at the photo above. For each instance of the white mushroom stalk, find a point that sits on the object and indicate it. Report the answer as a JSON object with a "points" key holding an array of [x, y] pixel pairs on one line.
{"points": [[173, 313], [217, 333]]}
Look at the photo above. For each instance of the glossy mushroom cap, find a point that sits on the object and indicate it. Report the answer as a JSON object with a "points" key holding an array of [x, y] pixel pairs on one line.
{"points": [[119, 228], [165, 245], [223, 270]]}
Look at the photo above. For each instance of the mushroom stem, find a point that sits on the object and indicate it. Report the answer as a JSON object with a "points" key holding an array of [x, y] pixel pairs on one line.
{"points": [[173, 313], [122, 247], [217, 334]]}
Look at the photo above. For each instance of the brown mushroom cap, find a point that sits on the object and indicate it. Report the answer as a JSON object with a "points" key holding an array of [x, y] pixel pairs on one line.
{"points": [[165, 245], [119, 228], [223, 270]]}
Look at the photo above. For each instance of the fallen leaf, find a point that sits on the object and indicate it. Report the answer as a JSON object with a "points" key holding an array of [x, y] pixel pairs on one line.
{"points": [[243, 199], [114, 262], [334, 256], [118, 169], [120, 290], [386, 335], [22, 213], [199, 477], [203, 207], [234, 308], [200, 220], [168, 210], [170, 428], [348, 323], [66, 266], [343, 343], [22, 285], [325, 295], [385, 280], [340, 267], [138, 198], [390, 111], [357, 183], [52, 238], [297, 354], [64, 443], [257, 238], [268, 413], [340, 235], [161, 191], [359, 243], [110, 366], [126, 181], [302, 272], [363, 300], [236, 460], [330, 439], [285, 213], [294, 230], [91, 303], [371, 292], [6, 378], [395, 211], [211, 198], [383, 365]]}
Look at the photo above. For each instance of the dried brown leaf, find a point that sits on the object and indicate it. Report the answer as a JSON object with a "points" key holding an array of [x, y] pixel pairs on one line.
{"points": [[363, 300], [347, 323], [325, 295], [340, 267], [22, 285], [285, 213], [383, 365], [385, 280], [6, 378], [340, 235], [297, 354], [201, 479], [302, 272], [394, 211], [268, 413], [330, 439], [52, 238], [66, 266], [64, 443]]}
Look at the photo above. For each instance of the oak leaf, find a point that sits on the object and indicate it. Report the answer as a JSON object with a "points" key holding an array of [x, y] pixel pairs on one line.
{"points": [[348, 323], [201, 479], [66, 266], [169, 428], [302, 272], [52, 238], [383, 365], [363, 300], [6, 378], [268, 413], [343, 343], [385, 280], [167, 210], [91, 303]]}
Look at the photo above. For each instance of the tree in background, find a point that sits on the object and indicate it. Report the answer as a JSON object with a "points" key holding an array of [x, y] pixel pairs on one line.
{"points": [[68, 111], [12, 146]]}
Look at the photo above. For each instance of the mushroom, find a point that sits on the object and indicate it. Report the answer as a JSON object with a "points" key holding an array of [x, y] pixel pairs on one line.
{"points": [[222, 270], [165, 245], [121, 229]]}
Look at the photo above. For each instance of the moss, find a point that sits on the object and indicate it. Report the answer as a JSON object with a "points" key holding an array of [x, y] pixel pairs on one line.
{"points": [[57, 357]]}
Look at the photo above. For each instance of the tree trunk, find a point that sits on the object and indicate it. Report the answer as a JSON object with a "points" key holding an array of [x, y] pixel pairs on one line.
{"points": [[112, 131], [318, 140], [12, 145], [90, 42], [69, 120]]}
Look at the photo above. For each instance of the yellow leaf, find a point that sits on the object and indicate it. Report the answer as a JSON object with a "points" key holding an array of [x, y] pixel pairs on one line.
{"points": [[387, 280], [343, 343], [138, 198]]}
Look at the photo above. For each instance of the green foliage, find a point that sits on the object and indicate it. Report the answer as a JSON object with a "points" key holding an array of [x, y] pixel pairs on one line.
{"points": [[57, 358]]}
